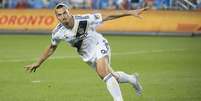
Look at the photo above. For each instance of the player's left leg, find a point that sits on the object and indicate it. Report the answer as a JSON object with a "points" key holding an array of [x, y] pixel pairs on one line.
{"points": [[102, 69], [120, 76], [123, 77]]}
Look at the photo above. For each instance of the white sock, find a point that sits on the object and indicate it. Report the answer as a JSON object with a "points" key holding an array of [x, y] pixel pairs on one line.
{"points": [[124, 78], [113, 87]]}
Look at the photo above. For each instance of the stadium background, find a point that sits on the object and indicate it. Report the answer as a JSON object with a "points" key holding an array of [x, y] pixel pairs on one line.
{"points": [[164, 47]]}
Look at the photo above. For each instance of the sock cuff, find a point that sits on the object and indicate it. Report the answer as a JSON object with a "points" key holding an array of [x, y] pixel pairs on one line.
{"points": [[107, 77]]}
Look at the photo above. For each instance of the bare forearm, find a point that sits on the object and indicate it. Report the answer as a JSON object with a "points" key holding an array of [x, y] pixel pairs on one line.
{"points": [[112, 17], [47, 52], [135, 13]]}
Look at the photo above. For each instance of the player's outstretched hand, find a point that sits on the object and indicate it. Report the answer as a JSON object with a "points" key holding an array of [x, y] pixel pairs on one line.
{"points": [[32, 67], [137, 12]]}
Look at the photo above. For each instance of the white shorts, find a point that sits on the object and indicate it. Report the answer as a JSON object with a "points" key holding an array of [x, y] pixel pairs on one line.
{"points": [[94, 47]]}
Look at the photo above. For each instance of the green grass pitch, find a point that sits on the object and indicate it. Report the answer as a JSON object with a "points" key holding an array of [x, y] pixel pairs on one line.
{"points": [[169, 68]]}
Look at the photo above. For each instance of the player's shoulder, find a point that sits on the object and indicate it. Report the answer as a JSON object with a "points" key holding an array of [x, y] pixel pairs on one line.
{"points": [[89, 17], [97, 16], [82, 17], [57, 28]]}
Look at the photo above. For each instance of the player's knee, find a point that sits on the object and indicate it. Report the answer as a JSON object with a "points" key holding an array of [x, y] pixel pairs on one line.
{"points": [[102, 74], [108, 76]]}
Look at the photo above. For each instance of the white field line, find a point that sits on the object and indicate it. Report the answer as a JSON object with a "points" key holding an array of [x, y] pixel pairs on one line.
{"points": [[113, 54]]}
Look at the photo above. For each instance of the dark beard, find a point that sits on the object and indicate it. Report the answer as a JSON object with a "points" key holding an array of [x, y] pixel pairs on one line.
{"points": [[66, 24]]}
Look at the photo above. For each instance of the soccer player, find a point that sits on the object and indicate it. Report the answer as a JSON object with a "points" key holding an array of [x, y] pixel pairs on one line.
{"points": [[79, 31]]}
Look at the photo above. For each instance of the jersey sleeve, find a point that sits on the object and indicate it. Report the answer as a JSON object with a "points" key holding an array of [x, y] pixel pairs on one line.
{"points": [[55, 38], [95, 19], [55, 41]]}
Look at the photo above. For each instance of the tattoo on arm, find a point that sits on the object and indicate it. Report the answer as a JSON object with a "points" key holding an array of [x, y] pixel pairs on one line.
{"points": [[112, 17]]}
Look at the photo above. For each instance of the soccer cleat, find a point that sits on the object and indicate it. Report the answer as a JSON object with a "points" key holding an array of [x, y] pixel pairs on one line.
{"points": [[137, 85]]}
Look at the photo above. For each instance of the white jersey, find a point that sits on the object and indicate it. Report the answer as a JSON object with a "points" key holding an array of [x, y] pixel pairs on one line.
{"points": [[83, 36]]}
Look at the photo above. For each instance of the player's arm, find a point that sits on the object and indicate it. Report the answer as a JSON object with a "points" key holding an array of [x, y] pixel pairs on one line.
{"points": [[47, 52], [135, 13]]}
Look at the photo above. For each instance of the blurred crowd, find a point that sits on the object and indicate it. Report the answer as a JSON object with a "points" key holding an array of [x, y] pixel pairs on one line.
{"points": [[102, 4]]}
